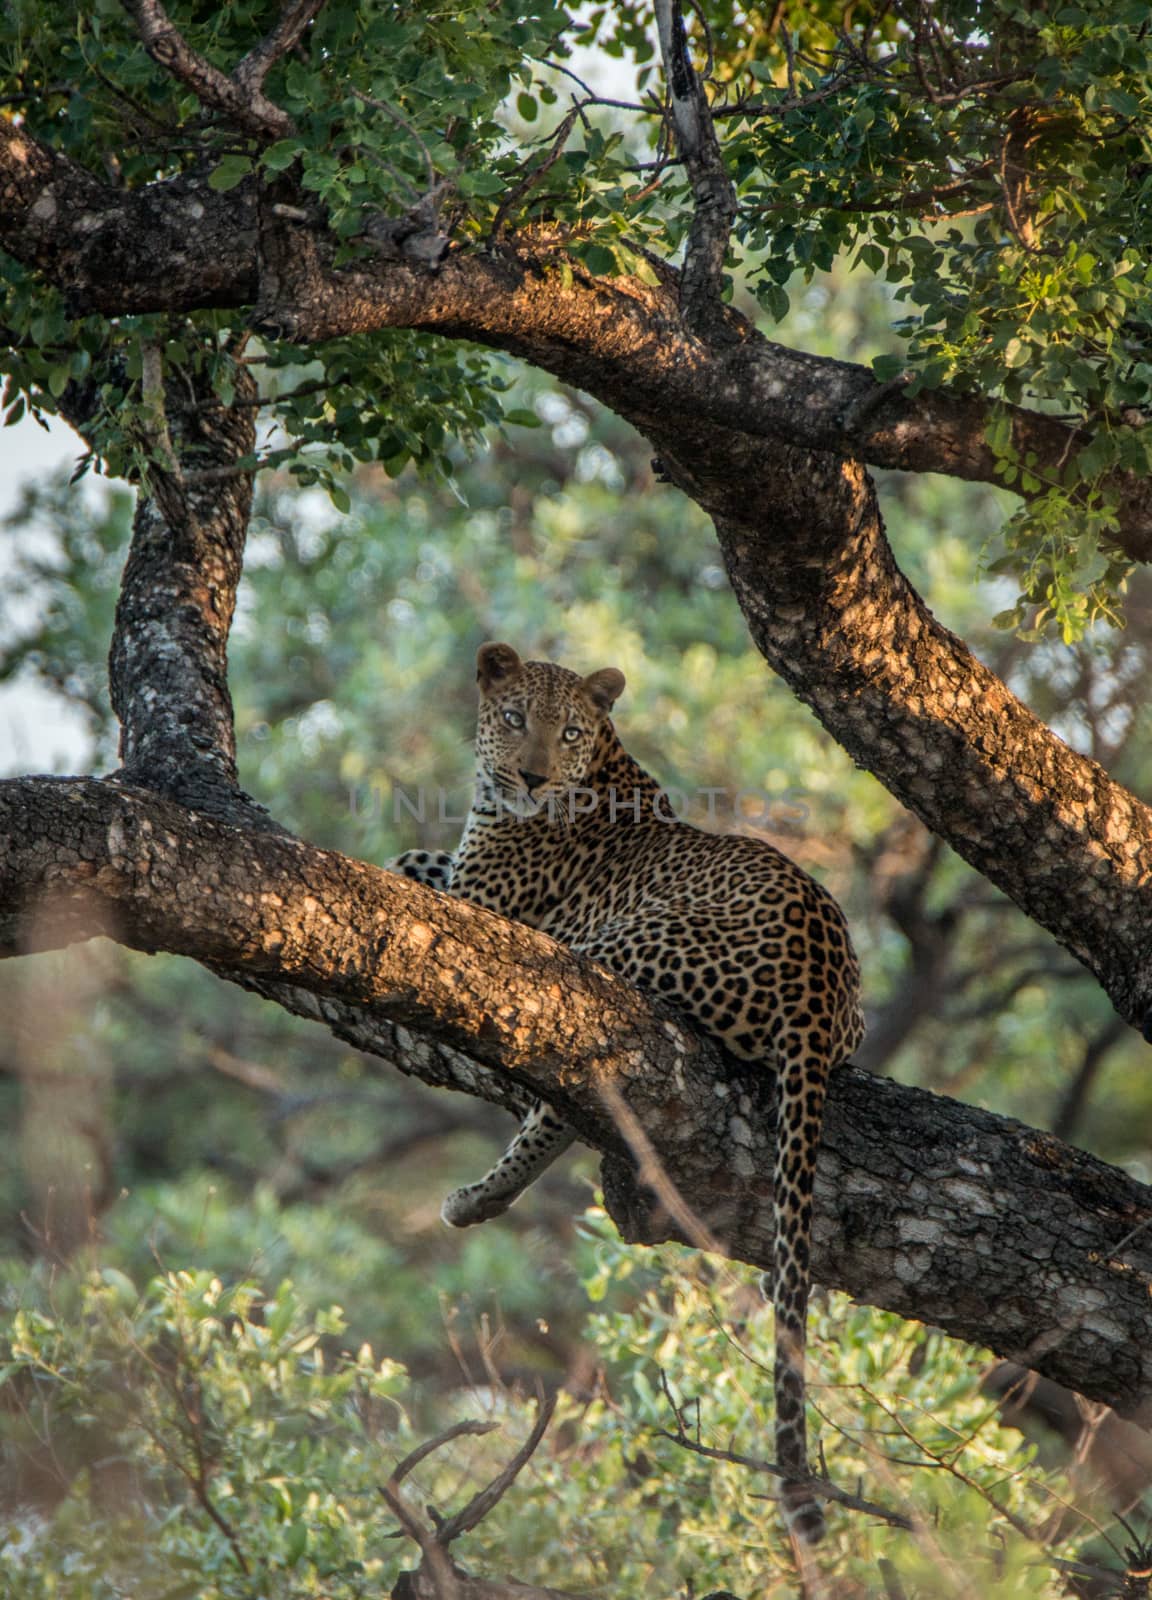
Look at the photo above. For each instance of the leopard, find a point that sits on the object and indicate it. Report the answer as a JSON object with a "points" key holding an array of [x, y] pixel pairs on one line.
{"points": [[570, 835]]}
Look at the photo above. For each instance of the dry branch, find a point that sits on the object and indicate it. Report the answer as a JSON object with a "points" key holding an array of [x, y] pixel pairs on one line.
{"points": [[438, 1577]]}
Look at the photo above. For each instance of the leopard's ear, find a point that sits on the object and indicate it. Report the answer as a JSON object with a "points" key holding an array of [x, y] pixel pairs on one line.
{"points": [[496, 665], [605, 687]]}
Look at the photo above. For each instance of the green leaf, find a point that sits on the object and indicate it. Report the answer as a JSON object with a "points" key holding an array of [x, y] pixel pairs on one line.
{"points": [[296, 1543], [281, 155], [599, 259], [231, 171]]}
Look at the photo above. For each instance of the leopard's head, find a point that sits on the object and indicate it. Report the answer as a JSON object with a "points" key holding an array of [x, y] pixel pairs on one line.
{"points": [[538, 724]]}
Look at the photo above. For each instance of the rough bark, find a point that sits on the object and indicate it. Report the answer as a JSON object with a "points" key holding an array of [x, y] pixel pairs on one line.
{"points": [[175, 245], [806, 552], [168, 665], [909, 701], [989, 1230]]}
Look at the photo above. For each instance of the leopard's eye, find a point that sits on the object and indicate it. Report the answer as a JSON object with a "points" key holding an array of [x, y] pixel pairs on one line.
{"points": [[514, 719], [570, 735]]}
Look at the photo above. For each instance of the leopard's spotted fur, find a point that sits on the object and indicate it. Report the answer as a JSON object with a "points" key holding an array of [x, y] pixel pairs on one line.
{"points": [[570, 835]]}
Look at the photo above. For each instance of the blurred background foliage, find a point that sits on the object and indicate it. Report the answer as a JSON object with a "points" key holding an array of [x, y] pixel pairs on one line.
{"points": [[162, 1131]]}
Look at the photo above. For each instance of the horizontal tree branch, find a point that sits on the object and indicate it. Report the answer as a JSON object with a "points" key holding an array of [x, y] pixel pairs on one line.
{"points": [[626, 343], [177, 245], [978, 1225], [805, 548], [83, 235]]}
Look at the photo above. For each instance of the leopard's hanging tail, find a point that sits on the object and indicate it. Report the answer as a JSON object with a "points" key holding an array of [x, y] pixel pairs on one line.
{"points": [[803, 1062]]}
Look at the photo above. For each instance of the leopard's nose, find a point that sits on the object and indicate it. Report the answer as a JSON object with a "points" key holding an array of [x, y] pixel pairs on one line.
{"points": [[532, 780]]}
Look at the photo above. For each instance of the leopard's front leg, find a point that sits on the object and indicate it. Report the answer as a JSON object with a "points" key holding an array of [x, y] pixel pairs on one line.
{"points": [[540, 1138]]}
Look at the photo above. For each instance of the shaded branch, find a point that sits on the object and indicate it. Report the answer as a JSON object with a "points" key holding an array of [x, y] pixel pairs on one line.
{"points": [[1074, 1098], [823, 1486], [713, 192], [284, 37], [438, 1577], [471, 1515], [178, 245]]}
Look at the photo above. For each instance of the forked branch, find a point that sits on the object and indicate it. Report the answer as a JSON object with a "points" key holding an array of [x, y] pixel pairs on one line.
{"points": [[239, 96], [285, 36], [438, 1577]]}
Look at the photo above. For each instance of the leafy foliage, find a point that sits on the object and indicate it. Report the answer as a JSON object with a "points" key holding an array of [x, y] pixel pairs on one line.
{"points": [[987, 162], [209, 1440]]}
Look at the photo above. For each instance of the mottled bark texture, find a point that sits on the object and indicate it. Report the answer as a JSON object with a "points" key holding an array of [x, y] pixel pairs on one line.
{"points": [[168, 665], [238, 95], [979, 1225], [910, 702], [801, 534]]}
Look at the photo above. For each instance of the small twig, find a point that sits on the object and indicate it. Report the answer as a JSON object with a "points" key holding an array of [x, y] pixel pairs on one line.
{"points": [[520, 189], [481, 1504], [285, 36], [198, 1478], [401, 121], [826, 1490], [935, 1458], [434, 1544], [789, 55], [591, 98], [414, 1457], [652, 1175]]}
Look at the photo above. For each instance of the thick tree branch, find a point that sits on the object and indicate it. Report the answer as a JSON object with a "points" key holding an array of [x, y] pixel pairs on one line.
{"points": [[168, 666], [626, 343], [809, 562], [833, 614], [174, 245], [177, 245], [978, 1225]]}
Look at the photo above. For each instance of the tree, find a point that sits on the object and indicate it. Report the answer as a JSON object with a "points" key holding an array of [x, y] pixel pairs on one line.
{"points": [[330, 199]]}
